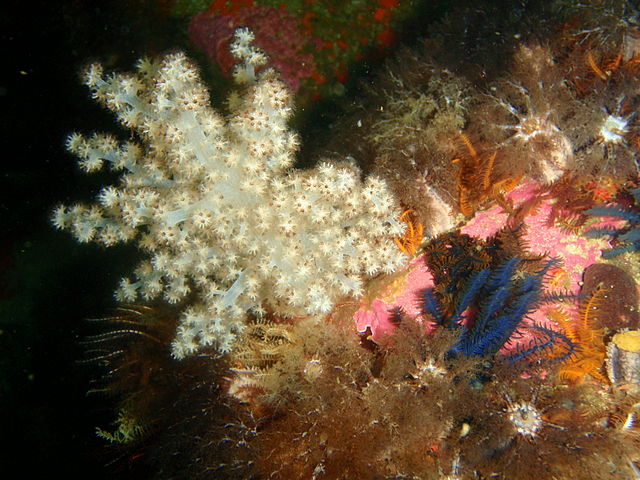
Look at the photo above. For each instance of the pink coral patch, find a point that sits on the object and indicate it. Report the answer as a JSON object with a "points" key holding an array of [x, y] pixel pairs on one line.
{"points": [[399, 290]]}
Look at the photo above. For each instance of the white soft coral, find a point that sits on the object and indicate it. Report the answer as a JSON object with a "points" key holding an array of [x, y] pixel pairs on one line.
{"points": [[214, 205]]}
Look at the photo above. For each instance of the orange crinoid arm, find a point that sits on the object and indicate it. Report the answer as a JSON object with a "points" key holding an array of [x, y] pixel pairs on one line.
{"points": [[586, 331], [412, 239]]}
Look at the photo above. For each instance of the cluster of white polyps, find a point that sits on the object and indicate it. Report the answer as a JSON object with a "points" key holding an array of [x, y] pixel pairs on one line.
{"points": [[225, 223]]}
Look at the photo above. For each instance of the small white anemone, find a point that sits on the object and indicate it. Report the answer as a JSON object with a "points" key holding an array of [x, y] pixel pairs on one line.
{"points": [[614, 129], [525, 418]]}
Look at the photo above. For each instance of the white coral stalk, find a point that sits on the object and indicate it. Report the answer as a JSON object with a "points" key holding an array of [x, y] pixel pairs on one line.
{"points": [[213, 204]]}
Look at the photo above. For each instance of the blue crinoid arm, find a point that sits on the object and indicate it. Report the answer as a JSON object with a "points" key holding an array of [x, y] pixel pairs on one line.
{"points": [[627, 237], [429, 304], [614, 252], [505, 302], [615, 211], [476, 283], [545, 339]]}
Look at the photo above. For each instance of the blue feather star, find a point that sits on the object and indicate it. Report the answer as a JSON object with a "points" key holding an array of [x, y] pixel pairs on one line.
{"points": [[492, 307]]}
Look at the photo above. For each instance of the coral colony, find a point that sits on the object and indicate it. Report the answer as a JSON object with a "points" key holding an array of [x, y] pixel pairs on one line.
{"points": [[213, 205], [456, 314]]}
